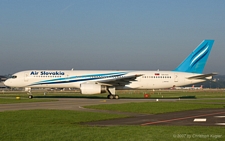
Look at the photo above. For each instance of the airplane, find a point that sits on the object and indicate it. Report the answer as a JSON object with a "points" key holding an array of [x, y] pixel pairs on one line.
{"points": [[101, 81], [197, 88], [188, 88]]}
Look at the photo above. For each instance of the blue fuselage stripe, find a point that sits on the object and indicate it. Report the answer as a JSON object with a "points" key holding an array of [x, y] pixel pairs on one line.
{"points": [[81, 78]]}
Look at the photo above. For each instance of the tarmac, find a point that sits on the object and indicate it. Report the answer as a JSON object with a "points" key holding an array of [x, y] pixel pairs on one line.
{"points": [[203, 117]]}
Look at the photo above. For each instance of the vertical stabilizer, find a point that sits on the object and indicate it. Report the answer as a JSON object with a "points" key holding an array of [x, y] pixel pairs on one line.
{"points": [[195, 62]]}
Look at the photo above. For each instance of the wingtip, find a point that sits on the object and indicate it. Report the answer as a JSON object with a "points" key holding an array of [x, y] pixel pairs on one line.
{"points": [[214, 73]]}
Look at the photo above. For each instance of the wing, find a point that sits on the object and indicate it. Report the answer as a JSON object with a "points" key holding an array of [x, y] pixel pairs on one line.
{"points": [[120, 81], [203, 76]]}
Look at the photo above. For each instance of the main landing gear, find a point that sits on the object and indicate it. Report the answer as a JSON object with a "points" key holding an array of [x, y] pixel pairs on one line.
{"points": [[112, 94]]}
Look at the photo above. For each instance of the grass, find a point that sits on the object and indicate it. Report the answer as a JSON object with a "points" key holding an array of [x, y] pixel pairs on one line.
{"points": [[45, 124], [59, 125], [155, 107], [125, 94], [128, 94], [173, 93]]}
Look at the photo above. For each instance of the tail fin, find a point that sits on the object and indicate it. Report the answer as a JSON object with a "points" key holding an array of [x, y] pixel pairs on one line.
{"points": [[195, 62]]}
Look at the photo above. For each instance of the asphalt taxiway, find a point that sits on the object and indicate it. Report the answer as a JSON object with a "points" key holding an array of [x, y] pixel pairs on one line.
{"points": [[203, 117], [70, 104]]}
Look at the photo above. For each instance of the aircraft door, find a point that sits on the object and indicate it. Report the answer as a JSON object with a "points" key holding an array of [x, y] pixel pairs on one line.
{"points": [[176, 78], [26, 77]]}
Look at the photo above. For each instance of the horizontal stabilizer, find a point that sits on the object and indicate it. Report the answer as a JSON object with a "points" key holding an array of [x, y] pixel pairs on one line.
{"points": [[202, 76]]}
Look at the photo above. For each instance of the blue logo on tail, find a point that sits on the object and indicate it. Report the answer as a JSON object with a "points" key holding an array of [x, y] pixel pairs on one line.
{"points": [[195, 62]]}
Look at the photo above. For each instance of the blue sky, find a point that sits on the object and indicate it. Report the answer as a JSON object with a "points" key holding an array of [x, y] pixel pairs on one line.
{"points": [[108, 34]]}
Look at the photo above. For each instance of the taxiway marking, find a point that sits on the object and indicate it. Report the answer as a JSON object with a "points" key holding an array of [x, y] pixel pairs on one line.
{"points": [[219, 116], [176, 119], [200, 120], [220, 123]]}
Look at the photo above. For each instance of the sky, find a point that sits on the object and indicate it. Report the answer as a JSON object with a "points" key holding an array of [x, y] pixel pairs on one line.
{"points": [[108, 34]]}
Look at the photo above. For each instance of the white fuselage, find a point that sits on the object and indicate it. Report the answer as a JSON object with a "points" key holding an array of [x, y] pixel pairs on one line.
{"points": [[74, 78]]}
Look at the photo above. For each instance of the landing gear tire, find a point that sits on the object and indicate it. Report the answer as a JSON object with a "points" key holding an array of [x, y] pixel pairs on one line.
{"points": [[116, 97], [30, 96], [113, 96]]}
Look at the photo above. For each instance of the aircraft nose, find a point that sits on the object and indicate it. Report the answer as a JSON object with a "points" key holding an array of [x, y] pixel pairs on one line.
{"points": [[6, 83]]}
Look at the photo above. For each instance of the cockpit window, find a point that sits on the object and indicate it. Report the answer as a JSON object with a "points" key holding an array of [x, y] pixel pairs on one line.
{"points": [[13, 76]]}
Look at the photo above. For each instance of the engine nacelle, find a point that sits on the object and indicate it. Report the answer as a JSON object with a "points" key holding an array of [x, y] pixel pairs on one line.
{"points": [[92, 88], [27, 89]]}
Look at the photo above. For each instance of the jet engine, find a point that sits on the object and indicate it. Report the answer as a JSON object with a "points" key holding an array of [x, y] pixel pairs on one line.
{"points": [[92, 88]]}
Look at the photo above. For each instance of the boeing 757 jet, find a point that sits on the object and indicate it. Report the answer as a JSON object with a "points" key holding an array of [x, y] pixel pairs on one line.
{"points": [[101, 81]]}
